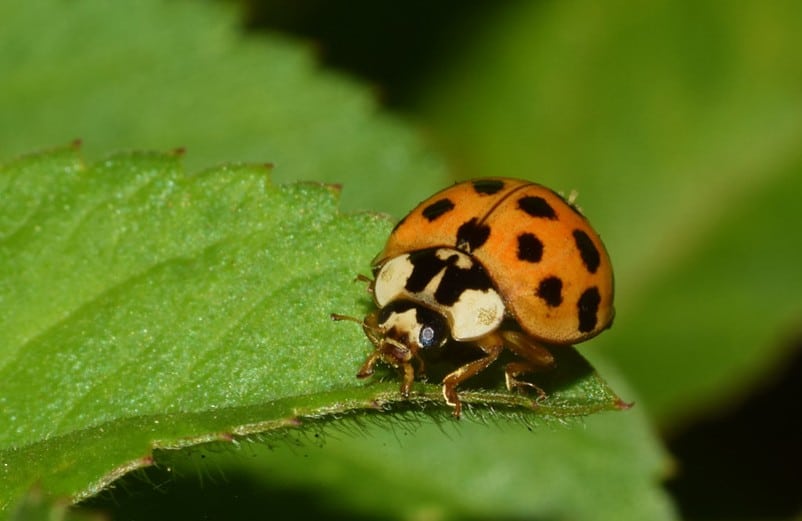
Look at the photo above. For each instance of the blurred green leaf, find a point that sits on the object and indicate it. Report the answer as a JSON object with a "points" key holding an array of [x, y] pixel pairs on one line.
{"points": [[602, 468], [152, 309], [159, 75], [681, 126]]}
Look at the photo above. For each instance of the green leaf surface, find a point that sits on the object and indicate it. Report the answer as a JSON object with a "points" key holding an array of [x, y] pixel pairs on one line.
{"points": [[681, 127], [145, 309], [167, 74]]}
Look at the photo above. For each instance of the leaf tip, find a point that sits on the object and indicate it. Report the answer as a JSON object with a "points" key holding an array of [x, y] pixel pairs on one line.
{"points": [[621, 405], [335, 188]]}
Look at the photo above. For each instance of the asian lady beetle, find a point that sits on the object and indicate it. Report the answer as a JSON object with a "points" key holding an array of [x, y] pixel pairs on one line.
{"points": [[491, 262]]}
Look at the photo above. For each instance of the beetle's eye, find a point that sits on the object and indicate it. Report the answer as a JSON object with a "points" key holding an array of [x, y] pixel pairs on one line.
{"points": [[428, 337], [433, 327], [433, 332]]}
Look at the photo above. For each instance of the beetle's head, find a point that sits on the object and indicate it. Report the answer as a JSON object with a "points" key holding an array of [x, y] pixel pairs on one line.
{"points": [[406, 327], [399, 331]]}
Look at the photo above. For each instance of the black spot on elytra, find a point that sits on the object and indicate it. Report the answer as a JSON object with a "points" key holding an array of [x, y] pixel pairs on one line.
{"points": [[530, 249], [437, 208], [588, 307], [426, 265], [550, 290], [587, 250], [537, 207], [472, 235], [488, 186]]}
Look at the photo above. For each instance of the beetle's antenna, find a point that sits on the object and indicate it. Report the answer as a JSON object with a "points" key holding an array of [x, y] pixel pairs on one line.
{"points": [[375, 330], [338, 317]]}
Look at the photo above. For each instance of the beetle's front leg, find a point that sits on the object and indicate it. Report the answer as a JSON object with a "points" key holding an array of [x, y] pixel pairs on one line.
{"points": [[389, 351], [492, 345]]}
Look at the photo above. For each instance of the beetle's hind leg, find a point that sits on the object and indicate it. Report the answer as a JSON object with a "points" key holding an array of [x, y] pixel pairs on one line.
{"points": [[535, 357]]}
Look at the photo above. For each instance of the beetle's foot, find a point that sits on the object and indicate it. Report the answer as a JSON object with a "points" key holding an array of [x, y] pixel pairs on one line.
{"points": [[450, 394], [522, 386]]}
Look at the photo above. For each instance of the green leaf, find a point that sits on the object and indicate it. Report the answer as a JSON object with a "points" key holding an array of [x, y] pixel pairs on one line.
{"points": [[145, 308], [681, 128], [147, 313], [160, 75]]}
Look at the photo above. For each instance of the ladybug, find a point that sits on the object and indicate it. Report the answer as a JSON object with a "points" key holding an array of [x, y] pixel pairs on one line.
{"points": [[492, 263]]}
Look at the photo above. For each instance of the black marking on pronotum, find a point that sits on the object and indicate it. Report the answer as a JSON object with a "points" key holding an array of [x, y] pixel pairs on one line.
{"points": [[488, 186], [456, 280], [472, 235], [396, 306], [587, 250], [537, 207], [588, 307], [550, 290], [426, 265], [437, 208], [530, 248]]}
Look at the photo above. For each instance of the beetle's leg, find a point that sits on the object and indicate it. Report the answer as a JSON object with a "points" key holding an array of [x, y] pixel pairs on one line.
{"points": [[391, 356], [362, 278], [492, 345], [390, 352], [535, 356], [408, 378], [367, 280], [421, 365], [370, 325]]}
